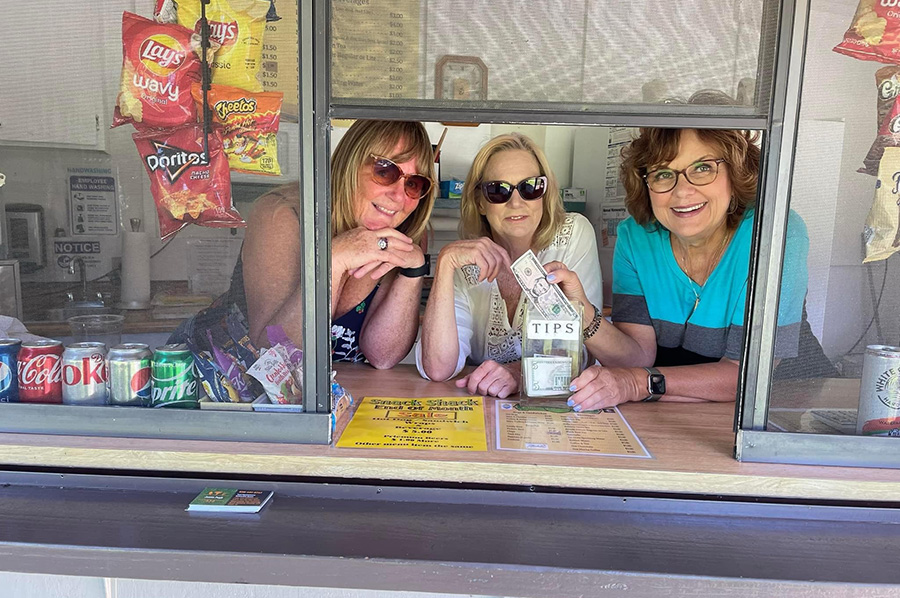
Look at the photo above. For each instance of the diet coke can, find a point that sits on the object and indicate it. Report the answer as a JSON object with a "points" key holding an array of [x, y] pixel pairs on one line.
{"points": [[40, 371], [85, 380], [879, 392], [129, 374], [9, 375]]}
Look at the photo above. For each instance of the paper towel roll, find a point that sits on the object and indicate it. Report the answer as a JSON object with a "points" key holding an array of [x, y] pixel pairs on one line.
{"points": [[135, 270]]}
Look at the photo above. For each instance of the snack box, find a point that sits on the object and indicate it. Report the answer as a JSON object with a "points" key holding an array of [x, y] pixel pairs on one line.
{"points": [[452, 189]]}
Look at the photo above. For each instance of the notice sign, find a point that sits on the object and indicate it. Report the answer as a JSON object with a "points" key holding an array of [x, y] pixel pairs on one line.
{"points": [[439, 423], [603, 433], [92, 201]]}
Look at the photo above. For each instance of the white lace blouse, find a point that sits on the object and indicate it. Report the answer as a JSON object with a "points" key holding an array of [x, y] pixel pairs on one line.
{"points": [[481, 318]]}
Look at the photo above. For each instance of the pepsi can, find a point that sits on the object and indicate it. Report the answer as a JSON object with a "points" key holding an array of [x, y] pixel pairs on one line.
{"points": [[129, 374], [9, 378]]}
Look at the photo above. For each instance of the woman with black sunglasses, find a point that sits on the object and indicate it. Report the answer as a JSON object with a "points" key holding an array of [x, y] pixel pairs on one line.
{"points": [[510, 204], [382, 183]]}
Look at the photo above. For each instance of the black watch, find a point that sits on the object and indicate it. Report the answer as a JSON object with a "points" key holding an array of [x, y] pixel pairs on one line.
{"points": [[656, 384]]}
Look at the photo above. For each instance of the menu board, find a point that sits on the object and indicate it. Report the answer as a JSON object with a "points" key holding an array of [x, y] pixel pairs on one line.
{"points": [[613, 203], [375, 49], [604, 432], [279, 70], [434, 423]]}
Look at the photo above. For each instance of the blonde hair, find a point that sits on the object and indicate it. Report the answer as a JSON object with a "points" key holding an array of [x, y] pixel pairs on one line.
{"points": [[353, 152], [472, 224]]}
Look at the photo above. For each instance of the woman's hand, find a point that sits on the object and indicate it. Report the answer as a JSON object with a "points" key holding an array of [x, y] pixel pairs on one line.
{"points": [[598, 387], [558, 273], [484, 253], [493, 379], [357, 252]]}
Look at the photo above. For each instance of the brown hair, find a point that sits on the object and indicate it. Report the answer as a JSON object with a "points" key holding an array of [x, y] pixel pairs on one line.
{"points": [[472, 224], [379, 137], [654, 147]]}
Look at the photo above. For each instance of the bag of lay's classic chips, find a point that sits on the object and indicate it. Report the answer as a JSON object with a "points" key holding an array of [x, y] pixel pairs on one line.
{"points": [[249, 126], [188, 186], [159, 64], [874, 33], [238, 25]]}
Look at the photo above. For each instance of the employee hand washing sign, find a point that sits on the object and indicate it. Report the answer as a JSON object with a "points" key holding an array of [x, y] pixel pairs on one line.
{"points": [[92, 201]]}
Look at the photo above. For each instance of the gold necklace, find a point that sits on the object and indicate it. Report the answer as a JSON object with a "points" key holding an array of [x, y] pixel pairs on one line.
{"points": [[687, 268]]}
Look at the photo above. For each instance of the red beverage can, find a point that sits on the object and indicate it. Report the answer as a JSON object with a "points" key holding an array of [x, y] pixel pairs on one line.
{"points": [[40, 371], [85, 378]]}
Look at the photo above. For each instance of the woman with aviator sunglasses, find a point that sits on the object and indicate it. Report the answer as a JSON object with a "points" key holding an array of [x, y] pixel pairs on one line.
{"points": [[510, 204], [680, 273], [382, 193]]}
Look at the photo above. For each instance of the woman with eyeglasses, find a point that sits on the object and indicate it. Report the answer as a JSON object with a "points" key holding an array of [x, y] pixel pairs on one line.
{"points": [[510, 204], [680, 272], [382, 193]]}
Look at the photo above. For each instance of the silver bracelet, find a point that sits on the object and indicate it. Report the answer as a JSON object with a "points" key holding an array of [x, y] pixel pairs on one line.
{"points": [[592, 328]]}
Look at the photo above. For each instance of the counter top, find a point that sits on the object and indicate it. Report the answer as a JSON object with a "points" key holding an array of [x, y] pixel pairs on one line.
{"points": [[692, 446], [39, 298]]}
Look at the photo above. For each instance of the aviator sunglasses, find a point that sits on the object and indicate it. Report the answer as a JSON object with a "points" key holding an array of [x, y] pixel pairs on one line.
{"points": [[501, 191], [386, 173]]}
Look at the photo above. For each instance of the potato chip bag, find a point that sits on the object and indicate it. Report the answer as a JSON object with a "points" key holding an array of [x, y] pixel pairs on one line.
{"points": [[874, 33], [882, 230], [159, 64], [250, 123], [237, 25], [188, 186]]}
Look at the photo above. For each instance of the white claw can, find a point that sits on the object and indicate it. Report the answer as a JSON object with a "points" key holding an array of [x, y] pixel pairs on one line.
{"points": [[879, 392]]}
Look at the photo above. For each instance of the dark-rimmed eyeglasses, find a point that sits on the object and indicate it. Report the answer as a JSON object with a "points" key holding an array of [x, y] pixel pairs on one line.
{"points": [[386, 173], [501, 191], [698, 174]]}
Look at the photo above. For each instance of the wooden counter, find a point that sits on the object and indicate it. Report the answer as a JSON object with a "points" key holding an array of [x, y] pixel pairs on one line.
{"points": [[691, 444]]}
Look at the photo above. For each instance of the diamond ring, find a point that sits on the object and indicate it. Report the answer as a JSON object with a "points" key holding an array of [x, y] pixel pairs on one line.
{"points": [[382, 243]]}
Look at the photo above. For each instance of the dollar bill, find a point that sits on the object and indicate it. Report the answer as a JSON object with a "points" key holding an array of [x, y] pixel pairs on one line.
{"points": [[547, 376], [547, 298]]}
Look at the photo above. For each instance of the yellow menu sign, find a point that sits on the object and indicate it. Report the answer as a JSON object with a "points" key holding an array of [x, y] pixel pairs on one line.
{"points": [[438, 423]]}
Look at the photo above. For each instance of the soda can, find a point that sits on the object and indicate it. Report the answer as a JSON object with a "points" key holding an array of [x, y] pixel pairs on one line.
{"points": [[173, 381], [879, 392], [129, 374], [85, 378], [9, 374], [40, 371]]}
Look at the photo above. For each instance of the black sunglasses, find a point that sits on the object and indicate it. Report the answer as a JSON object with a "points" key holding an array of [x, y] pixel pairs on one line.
{"points": [[386, 173], [501, 191]]}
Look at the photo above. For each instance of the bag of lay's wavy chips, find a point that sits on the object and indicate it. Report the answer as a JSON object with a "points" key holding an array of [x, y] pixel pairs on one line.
{"points": [[238, 25], [159, 64], [874, 33], [188, 186], [249, 126]]}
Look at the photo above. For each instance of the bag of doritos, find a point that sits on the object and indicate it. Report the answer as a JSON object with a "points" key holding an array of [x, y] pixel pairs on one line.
{"points": [[188, 186], [238, 25], [249, 126], [874, 33], [159, 64]]}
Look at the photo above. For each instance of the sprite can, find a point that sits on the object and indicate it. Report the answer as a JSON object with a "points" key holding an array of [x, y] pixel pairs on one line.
{"points": [[173, 380]]}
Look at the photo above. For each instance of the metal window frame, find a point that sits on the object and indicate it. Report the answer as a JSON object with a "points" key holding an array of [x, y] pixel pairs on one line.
{"points": [[753, 443]]}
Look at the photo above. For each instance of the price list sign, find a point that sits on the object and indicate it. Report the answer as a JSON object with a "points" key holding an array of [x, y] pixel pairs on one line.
{"points": [[375, 49], [279, 68], [604, 432]]}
